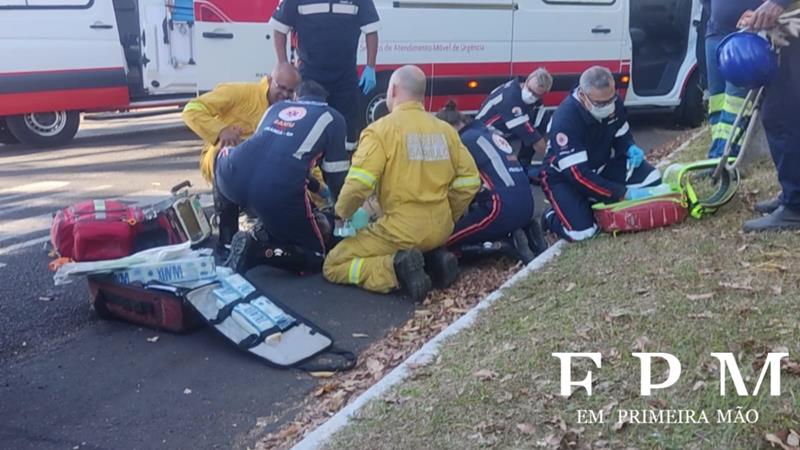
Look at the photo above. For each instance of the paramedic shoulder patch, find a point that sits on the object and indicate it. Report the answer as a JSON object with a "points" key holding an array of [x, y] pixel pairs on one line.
{"points": [[292, 113], [562, 140], [427, 147], [502, 144]]}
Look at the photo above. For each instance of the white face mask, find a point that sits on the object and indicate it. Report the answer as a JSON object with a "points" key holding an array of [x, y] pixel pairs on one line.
{"points": [[602, 112], [529, 97]]}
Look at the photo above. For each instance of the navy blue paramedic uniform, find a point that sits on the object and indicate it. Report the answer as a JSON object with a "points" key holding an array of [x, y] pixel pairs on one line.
{"points": [[586, 162], [505, 111], [505, 202], [781, 117], [327, 41], [268, 172]]}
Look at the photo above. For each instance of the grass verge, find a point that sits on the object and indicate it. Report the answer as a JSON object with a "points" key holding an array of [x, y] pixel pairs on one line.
{"points": [[689, 290]]}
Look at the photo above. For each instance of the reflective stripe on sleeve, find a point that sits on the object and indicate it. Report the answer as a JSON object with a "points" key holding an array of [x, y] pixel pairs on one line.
{"points": [[362, 176], [313, 8], [518, 121], [340, 8], [572, 160], [335, 166], [279, 26], [195, 106], [371, 27], [466, 181], [622, 130]]}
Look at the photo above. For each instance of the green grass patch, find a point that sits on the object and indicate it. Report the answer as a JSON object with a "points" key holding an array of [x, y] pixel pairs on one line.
{"points": [[689, 290]]}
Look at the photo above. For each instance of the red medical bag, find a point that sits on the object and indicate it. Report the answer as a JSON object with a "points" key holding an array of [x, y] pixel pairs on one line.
{"points": [[641, 215]]}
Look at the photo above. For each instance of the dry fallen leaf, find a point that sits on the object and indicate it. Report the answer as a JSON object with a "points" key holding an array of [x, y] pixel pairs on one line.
{"points": [[525, 428], [699, 297], [321, 374], [485, 375], [640, 343], [699, 385], [703, 315], [775, 440], [360, 335], [187, 391], [740, 286], [620, 425], [153, 339], [570, 287], [793, 439]]}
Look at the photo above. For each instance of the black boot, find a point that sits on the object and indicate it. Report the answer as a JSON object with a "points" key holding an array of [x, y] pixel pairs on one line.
{"points": [[409, 266], [536, 238], [522, 249], [442, 266], [240, 259], [781, 219], [768, 206]]}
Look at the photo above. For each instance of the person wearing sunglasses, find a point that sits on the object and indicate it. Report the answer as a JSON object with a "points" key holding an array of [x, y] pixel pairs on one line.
{"points": [[591, 157], [225, 117]]}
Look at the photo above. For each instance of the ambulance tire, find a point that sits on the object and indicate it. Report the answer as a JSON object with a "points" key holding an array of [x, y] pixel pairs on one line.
{"points": [[373, 105], [692, 110], [5, 134], [49, 129]]}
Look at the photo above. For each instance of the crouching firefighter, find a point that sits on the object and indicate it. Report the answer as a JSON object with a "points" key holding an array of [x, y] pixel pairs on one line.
{"points": [[591, 157], [501, 212], [424, 178], [269, 174], [225, 117]]}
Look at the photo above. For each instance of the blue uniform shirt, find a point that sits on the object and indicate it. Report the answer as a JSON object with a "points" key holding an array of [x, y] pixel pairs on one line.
{"points": [[506, 112], [327, 31], [580, 146], [726, 13], [292, 138], [495, 158]]}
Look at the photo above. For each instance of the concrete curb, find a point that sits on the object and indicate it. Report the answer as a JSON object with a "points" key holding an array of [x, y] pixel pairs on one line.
{"points": [[324, 432], [129, 130]]}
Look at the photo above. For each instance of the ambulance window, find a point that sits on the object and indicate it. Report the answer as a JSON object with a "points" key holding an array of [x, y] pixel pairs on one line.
{"points": [[580, 2], [47, 4]]}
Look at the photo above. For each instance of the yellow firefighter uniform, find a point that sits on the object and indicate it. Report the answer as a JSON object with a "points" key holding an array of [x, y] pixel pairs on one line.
{"points": [[425, 179], [240, 104]]}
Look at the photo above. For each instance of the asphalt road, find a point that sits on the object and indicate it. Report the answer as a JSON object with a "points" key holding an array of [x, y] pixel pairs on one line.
{"points": [[69, 380]]}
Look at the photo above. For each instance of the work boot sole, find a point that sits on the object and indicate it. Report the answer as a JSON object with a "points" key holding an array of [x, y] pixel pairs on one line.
{"points": [[442, 266], [522, 248], [536, 239], [238, 258], [409, 266]]}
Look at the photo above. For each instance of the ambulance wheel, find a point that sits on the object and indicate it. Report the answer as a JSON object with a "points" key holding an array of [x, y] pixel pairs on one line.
{"points": [[5, 134], [374, 104], [692, 110], [48, 129]]}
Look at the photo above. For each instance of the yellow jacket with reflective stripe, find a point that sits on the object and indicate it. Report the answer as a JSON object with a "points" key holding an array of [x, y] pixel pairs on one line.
{"points": [[423, 174], [241, 104]]}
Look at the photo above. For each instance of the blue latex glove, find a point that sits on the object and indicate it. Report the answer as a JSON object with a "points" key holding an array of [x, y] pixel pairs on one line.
{"points": [[640, 193], [635, 156], [367, 82]]}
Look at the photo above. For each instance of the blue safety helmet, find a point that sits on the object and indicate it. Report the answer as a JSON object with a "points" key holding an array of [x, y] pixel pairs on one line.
{"points": [[747, 60]]}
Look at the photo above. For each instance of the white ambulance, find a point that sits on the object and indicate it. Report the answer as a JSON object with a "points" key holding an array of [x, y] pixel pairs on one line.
{"points": [[59, 58]]}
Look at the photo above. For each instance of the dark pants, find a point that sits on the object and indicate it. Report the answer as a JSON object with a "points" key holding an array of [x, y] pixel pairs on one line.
{"points": [[343, 97], [493, 218], [572, 217], [781, 117], [228, 214], [290, 221]]}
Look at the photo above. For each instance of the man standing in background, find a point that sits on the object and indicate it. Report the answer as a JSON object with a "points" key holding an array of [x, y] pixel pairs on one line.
{"points": [[725, 99], [327, 41]]}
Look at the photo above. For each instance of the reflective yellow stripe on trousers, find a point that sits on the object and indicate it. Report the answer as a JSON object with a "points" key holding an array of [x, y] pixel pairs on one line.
{"points": [[356, 266]]}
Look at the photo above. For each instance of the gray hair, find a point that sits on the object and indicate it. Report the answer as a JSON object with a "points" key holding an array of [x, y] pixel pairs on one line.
{"points": [[542, 78], [411, 81], [596, 77]]}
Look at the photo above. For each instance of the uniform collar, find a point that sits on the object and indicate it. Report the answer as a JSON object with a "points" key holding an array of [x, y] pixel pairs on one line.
{"points": [[409, 105], [585, 115], [311, 99]]}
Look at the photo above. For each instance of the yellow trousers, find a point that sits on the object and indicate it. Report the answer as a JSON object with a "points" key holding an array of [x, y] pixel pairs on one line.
{"points": [[367, 259]]}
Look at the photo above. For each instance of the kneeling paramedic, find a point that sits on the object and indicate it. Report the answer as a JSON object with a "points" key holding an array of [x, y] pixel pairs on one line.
{"points": [[226, 116], [515, 110], [502, 210], [592, 157], [269, 174], [424, 178]]}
